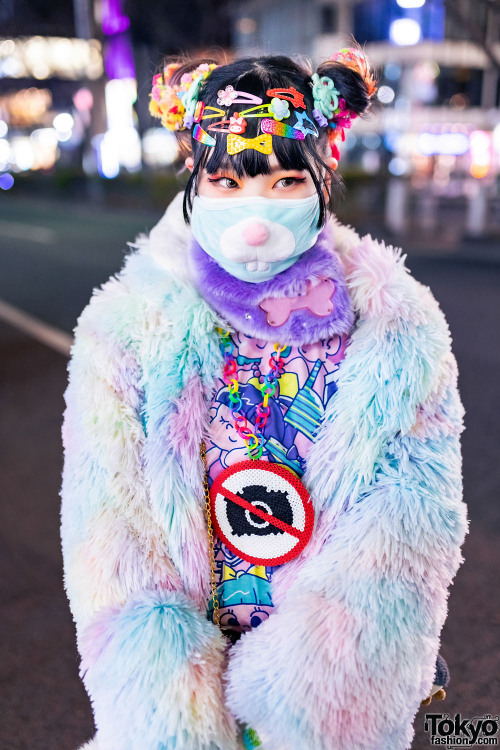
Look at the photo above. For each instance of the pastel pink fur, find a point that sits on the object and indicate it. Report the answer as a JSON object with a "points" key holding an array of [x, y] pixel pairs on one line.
{"points": [[317, 300]]}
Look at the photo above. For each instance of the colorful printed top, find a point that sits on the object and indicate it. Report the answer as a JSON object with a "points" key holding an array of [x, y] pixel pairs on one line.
{"points": [[297, 408]]}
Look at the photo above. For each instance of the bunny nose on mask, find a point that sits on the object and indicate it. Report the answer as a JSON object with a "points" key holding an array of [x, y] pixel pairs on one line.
{"points": [[257, 243], [255, 234], [255, 238]]}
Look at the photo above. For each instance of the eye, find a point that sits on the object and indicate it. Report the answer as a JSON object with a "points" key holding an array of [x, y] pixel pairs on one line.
{"points": [[287, 182], [229, 619], [224, 182], [257, 617]]}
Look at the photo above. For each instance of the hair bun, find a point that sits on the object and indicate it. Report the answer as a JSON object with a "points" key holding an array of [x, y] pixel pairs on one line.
{"points": [[354, 58]]}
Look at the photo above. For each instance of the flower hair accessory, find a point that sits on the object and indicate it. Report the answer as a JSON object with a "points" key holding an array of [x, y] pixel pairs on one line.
{"points": [[175, 104], [279, 109]]}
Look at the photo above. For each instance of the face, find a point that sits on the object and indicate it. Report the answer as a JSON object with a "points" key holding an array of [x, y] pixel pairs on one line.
{"points": [[280, 183], [255, 227]]}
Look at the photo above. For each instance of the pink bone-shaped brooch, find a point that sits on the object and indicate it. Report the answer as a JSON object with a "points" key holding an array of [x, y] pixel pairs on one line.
{"points": [[317, 300]]}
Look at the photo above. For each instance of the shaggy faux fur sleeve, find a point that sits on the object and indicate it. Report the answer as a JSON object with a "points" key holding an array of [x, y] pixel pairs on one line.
{"points": [[350, 652], [150, 660]]}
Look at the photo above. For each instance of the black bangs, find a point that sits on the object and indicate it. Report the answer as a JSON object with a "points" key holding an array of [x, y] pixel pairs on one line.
{"points": [[255, 76]]}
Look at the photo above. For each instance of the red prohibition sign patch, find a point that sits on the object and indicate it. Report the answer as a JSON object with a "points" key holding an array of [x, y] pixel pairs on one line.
{"points": [[262, 512]]}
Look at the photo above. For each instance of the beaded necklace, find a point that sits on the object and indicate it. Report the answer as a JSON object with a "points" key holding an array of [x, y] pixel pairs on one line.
{"points": [[254, 441]]}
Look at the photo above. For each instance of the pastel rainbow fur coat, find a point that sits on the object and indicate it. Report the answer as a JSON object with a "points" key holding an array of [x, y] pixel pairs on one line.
{"points": [[350, 650]]}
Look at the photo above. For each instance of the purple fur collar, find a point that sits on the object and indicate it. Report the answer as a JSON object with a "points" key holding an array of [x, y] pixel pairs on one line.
{"points": [[238, 301]]}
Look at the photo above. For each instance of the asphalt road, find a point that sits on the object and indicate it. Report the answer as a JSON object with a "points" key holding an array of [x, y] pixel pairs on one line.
{"points": [[44, 705], [53, 254]]}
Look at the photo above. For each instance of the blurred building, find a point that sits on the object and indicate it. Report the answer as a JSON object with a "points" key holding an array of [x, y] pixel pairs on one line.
{"points": [[434, 132], [70, 76], [75, 80]]}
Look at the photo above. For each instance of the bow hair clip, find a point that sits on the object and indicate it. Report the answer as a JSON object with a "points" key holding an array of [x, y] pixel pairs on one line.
{"points": [[262, 143]]}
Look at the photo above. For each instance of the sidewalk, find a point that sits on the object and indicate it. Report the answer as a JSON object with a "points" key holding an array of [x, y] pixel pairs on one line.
{"points": [[44, 703]]}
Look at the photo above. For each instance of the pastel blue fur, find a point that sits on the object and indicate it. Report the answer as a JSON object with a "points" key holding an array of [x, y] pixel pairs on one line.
{"points": [[350, 650]]}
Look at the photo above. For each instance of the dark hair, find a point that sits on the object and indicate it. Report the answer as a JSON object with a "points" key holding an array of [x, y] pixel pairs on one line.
{"points": [[256, 75]]}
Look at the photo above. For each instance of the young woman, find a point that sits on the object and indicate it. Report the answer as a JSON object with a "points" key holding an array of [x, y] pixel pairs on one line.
{"points": [[262, 492]]}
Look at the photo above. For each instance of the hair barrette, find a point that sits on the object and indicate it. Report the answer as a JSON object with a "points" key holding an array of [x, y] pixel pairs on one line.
{"points": [[262, 143], [190, 99], [198, 112], [236, 124], [215, 112], [299, 125], [294, 96], [229, 96], [278, 108], [202, 136], [280, 128]]}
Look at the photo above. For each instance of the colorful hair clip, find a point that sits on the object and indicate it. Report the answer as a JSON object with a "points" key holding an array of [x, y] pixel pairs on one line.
{"points": [[295, 97], [198, 113], [299, 125], [320, 118], [278, 108], [216, 112], [262, 143], [190, 99], [326, 95], [228, 96], [200, 135], [236, 124], [280, 128]]}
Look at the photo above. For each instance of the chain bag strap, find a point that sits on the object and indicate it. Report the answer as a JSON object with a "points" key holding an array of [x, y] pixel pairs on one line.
{"points": [[250, 737]]}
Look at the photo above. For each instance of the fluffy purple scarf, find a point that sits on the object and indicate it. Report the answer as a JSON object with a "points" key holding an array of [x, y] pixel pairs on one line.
{"points": [[238, 301]]}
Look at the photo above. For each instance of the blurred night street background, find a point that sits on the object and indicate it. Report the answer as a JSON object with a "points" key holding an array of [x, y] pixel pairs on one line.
{"points": [[84, 169]]}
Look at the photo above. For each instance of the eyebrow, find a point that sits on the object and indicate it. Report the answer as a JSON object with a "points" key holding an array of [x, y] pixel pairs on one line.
{"points": [[273, 170], [277, 168]]}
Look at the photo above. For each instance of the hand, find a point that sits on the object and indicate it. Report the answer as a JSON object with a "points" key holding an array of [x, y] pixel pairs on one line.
{"points": [[439, 696]]}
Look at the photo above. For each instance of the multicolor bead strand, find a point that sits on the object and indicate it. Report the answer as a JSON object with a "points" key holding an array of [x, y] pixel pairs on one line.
{"points": [[253, 441], [269, 387]]}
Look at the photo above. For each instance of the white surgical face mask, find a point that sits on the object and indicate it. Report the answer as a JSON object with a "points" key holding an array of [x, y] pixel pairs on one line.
{"points": [[255, 238]]}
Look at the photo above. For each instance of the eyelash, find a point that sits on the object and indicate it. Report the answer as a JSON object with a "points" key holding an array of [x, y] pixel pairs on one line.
{"points": [[218, 180]]}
